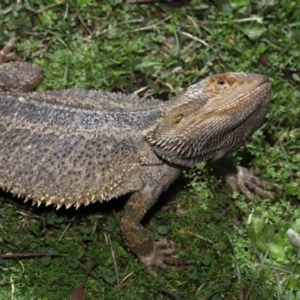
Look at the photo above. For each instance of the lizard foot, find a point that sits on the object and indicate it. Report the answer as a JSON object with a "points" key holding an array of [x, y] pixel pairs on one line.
{"points": [[162, 258], [249, 184]]}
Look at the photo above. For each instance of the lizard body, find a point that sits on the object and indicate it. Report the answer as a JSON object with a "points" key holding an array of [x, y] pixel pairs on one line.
{"points": [[76, 147]]}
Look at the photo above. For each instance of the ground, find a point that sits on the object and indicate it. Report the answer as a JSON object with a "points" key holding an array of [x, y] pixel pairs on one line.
{"points": [[238, 249]]}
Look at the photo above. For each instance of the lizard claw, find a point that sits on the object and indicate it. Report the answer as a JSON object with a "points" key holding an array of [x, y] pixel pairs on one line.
{"points": [[163, 259], [249, 184]]}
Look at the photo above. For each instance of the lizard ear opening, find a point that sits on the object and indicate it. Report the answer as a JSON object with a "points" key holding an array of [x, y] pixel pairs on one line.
{"points": [[177, 119], [167, 126]]}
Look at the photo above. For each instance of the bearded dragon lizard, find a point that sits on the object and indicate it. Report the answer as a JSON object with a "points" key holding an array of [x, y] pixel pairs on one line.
{"points": [[76, 147]]}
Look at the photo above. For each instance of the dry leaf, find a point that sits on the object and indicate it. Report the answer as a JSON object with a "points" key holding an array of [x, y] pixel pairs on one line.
{"points": [[78, 293]]}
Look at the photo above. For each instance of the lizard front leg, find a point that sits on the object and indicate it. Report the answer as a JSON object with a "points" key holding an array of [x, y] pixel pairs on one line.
{"points": [[136, 236], [240, 178]]}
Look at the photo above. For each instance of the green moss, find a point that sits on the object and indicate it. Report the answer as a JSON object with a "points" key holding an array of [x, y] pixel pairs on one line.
{"points": [[237, 249]]}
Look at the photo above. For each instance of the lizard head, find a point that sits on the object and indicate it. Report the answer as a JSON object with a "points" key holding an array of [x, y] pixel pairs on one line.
{"points": [[211, 118]]}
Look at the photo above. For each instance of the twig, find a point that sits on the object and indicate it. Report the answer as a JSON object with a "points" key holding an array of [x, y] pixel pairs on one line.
{"points": [[193, 38], [29, 254], [126, 277], [107, 238]]}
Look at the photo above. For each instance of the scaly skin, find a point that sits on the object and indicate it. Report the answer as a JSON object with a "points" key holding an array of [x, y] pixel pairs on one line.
{"points": [[77, 147], [17, 76]]}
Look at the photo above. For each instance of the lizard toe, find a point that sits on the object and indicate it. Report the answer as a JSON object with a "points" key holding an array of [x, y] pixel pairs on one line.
{"points": [[251, 185], [163, 259]]}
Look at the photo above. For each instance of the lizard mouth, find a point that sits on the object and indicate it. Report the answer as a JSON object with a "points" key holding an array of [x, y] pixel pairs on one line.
{"points": [[265, 79]]}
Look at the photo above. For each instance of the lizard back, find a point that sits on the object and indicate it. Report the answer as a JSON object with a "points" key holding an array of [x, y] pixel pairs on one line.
{"points": [[60, 152]]}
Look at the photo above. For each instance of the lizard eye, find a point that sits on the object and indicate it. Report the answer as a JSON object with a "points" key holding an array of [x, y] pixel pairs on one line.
{"points": [[221, 82]]}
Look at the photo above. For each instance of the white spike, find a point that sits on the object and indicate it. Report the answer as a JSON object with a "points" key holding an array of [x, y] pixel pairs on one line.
{"points": [[58, 206], [165, 142], [68, 205], [77, 205], [49, 202], [174, 149]]}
